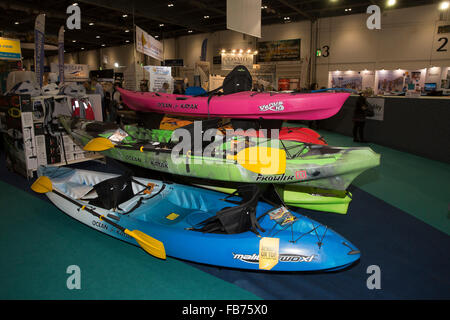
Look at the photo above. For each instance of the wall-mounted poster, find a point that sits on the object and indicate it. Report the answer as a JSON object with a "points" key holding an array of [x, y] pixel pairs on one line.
{"points": [[281, 50], [348, 81], [390, 81]]}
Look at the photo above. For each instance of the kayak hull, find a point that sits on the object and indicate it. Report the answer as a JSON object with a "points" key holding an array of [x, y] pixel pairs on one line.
{"points": [[241, 105], [303, 197], [191, 205]]}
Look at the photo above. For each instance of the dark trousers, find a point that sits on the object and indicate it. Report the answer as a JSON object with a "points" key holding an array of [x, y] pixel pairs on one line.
{"points": [[358, 129]]}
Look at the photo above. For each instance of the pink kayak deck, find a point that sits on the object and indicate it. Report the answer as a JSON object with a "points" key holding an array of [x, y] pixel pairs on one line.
{"points": [[245, 105]]}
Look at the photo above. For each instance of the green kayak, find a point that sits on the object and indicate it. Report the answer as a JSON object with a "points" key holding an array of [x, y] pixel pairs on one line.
{"points": [[335, 201], [297, 163]]}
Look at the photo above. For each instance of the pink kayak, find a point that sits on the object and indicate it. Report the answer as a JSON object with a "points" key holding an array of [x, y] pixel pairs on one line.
{"points": [[245, 105]]}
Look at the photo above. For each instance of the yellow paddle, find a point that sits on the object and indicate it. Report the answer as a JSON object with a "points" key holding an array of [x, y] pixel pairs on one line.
{"points": [[263, 160], [154, 247]]}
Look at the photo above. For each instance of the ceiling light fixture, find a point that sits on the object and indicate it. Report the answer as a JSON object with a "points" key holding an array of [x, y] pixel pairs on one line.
{"points": [[263, 7], [444, 5], [103, 45], [127, 41], [74, 40], [91, 23], [170, 5], [17, 22], [127, 30], [189, 31], [390, 3], [124, 15], [205, 17], [98, 37], [161, 24]]}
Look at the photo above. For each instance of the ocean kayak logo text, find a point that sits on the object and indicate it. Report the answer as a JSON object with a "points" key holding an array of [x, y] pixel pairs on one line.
{"points": [[254, 258], [274, 106], [192, 106]]}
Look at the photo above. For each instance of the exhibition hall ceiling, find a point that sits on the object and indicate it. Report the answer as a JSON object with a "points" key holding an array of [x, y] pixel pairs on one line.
{"points": [[107, 23]]}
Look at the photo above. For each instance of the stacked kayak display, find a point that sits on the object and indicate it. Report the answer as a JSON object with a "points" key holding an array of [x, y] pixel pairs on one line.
{"points": [[240, 105], [164, 219], [317, 166]]}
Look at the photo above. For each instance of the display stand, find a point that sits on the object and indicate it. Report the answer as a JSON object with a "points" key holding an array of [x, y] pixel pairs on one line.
{"points": [[29, 143]]}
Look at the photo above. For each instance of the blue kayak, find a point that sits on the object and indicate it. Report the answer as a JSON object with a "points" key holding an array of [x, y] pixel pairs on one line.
{"points": [[191, 224]]}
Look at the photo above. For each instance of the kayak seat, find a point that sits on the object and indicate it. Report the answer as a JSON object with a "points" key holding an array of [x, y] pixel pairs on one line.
{"points": [[236, 219], [112, 192], [100, 127], [238, 80]]}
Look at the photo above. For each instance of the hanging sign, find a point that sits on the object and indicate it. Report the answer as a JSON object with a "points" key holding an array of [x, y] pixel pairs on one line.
{"points": [[148, 45], [10, 49], [244, 16], [72, 72], [231, 60], [39, 36]]}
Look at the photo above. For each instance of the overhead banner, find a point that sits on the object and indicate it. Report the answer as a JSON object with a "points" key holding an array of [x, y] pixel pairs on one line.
{"points": [[39, 38], [10, 49], [148, 45], [72, 72], [61, 54], [281, 50], [244, 16], [231, 60]]}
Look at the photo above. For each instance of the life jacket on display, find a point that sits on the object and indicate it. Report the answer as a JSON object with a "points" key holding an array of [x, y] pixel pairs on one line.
{"points": [[82, 108]]}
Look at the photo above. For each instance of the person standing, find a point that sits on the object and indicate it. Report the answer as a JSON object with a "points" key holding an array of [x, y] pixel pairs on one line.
{"points": [[359, 118], [98, 89]]}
